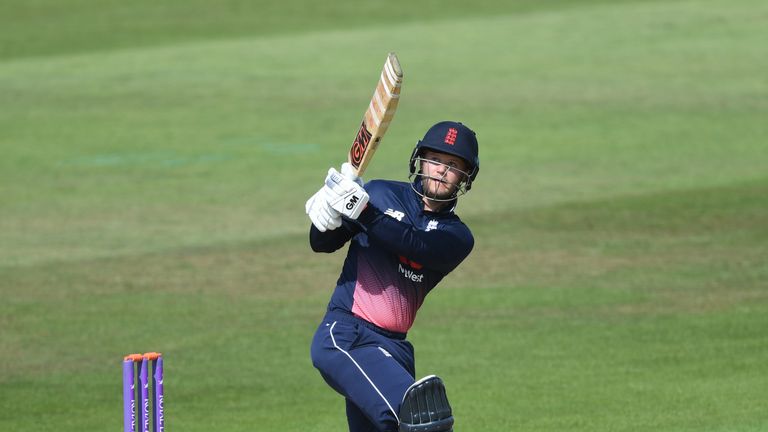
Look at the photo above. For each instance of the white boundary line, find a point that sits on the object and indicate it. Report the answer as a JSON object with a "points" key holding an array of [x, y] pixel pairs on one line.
{"points": [[362, 371]]}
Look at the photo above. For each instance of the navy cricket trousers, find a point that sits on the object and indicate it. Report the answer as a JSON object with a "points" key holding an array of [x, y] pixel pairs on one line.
{"points": [[370, 367]]}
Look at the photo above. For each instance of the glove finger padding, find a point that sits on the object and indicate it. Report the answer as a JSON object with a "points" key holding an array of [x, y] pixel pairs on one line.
{"points": [[310, 202], [315, 218], [323, 217], [332, 217], [344, 195]]}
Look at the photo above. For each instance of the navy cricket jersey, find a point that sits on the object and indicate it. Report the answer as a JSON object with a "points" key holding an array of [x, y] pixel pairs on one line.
{"points": [[397, 254]]}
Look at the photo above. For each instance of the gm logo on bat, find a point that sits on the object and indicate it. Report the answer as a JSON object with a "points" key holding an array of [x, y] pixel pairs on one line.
{"points": [[359, 146]]}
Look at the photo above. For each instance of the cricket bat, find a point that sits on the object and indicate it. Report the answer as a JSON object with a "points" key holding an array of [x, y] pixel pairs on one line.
{"points": [[378, 115]]}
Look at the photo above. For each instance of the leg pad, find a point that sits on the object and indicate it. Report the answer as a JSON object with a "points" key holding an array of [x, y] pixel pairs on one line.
{"points": [[425, 407]]}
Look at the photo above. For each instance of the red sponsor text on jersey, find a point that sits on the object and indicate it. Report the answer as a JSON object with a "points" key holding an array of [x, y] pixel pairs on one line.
{"points": [[412, 264]]}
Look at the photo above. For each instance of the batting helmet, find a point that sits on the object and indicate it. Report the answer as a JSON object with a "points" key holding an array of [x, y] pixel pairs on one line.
{"points": [[453, 138]]}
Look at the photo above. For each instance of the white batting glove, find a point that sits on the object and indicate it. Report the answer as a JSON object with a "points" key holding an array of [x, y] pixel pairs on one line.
{"points": [[323, 217], [349, 172], [344, 195]]}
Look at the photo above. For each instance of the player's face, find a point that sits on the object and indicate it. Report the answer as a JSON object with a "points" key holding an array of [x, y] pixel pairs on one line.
{"points": [[442, 174]]}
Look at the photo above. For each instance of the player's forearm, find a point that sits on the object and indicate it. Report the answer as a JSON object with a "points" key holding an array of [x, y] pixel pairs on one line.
{"points": [[330, 241]]}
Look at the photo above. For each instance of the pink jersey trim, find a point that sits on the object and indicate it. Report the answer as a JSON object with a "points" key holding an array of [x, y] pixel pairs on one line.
{"points": [[389, 304]]}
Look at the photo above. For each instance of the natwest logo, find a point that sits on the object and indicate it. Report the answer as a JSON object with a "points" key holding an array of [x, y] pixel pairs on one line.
{"points": [[410, 274]]}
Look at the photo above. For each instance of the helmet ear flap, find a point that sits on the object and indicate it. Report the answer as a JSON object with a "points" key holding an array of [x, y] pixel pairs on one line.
{"points": [[470, 178], [414, 155]]}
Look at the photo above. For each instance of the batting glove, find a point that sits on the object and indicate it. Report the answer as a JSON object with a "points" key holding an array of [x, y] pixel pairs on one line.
{"points": [[344, 195], [349, 172], [323, 217]]}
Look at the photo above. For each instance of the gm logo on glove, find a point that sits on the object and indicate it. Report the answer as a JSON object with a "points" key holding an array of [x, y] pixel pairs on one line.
{"points": [[345, 195]]}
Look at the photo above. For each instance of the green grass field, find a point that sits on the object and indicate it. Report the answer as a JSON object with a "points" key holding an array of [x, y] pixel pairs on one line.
{"points": [[156, 158]]}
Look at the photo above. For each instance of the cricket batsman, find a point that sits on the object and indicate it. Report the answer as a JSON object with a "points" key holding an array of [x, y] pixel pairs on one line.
{"points": [[404, 238]]}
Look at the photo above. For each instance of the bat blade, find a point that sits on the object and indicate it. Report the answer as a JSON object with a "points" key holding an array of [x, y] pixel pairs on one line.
{"points": [[378, 116]]}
